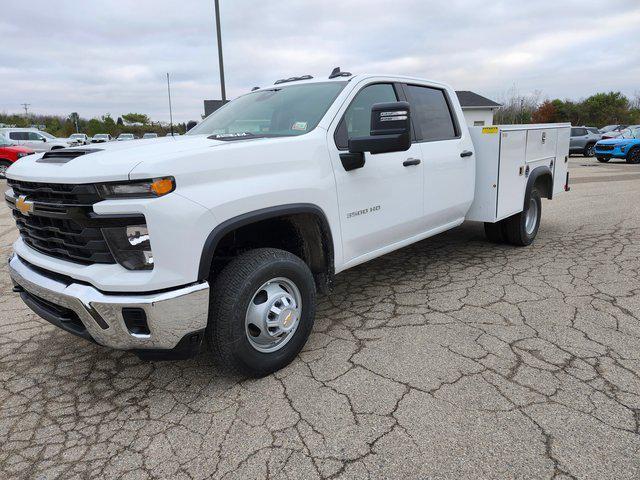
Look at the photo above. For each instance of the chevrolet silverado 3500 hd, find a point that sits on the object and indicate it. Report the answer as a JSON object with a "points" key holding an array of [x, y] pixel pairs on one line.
{"points": [[225, 235]]}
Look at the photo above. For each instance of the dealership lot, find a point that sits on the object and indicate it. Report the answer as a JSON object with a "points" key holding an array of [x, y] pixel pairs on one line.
{"points": [[452, 358]]}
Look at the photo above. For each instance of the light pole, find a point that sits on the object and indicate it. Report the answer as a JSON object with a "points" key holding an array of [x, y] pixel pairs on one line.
{"points": [[220, 62], [170, 110]]}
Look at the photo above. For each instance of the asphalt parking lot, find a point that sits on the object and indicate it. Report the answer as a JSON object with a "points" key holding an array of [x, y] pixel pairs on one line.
{"points": [[452, 358]]}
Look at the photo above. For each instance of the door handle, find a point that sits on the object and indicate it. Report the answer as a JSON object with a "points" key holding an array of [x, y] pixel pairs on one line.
{"points": [[411, 161], [466, 153]]}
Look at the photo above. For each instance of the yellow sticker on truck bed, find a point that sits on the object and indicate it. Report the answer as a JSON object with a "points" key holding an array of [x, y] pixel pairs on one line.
{"points": [[489, 130]]}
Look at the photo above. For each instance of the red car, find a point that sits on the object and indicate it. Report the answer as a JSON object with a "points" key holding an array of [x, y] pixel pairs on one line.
{"points": [[10, 153]]}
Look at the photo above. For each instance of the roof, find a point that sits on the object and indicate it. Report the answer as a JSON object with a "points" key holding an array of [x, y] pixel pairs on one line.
{"points": [[473, 100]]}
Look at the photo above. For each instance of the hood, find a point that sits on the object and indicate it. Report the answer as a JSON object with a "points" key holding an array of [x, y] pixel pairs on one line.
{"points": [[17, 149], [617, 141], [104, 162]]}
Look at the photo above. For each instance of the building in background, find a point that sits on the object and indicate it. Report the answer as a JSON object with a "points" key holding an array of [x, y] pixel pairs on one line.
{"points": [[478, 110]]}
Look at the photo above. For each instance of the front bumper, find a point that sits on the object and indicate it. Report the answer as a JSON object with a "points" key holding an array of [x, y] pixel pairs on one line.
{"points": [[176, 318]]}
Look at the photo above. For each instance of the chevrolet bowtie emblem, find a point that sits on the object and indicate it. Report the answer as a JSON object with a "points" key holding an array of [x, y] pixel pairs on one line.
{"points": [[23, 205]]}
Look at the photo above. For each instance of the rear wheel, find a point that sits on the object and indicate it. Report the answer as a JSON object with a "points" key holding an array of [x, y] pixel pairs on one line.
{"points": [[262, 311], [4, 164], [590, 150], [633, 156], [521, 229], [603, 159]]}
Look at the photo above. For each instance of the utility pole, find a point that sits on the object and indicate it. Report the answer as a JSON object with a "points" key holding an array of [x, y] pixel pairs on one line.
{"points": [[220, 62], [26, 108], [170, 110]]}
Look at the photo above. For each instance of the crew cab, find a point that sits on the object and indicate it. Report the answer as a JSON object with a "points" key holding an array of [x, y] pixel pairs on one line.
{"points": [[34, 139], [226, 234]]}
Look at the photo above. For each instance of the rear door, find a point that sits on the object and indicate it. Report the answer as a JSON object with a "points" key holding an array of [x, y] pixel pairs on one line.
{"points": [[447, 155], [380, 203]]}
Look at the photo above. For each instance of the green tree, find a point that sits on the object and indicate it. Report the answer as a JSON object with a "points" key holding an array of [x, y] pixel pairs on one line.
{"points": [[135, 118]]}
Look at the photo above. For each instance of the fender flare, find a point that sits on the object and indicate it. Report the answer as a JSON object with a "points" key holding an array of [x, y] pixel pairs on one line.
{"points": [[539, 172], [211, 243]]}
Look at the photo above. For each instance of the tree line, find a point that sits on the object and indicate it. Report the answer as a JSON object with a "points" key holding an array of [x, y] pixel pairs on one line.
{"points": [[59, 126], [598, 110]]}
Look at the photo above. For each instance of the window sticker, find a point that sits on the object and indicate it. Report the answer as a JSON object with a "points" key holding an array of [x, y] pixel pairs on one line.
{"points": [[299, 126]]}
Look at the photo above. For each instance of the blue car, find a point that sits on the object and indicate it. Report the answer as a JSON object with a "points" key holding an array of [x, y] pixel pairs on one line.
{"points": [[625, 146]]}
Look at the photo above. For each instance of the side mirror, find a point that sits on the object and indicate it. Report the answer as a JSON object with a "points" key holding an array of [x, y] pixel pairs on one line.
{"points": [[44, 140], [390, 130]]}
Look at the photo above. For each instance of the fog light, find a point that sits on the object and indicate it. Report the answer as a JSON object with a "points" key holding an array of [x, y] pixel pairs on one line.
{"points": [[130, 246]]}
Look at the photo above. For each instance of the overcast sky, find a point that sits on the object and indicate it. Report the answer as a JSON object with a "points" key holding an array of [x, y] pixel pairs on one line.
{"points": [[111, 56]]}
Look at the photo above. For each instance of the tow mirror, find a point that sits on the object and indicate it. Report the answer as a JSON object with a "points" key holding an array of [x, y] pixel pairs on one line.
{"points": [[390, 130]]}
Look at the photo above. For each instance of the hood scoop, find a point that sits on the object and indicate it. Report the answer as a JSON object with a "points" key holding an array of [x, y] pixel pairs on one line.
{"points": [[63, 155]]}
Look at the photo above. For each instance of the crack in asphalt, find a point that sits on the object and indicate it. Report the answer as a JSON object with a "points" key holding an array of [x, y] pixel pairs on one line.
{"points": [[450, 358]]}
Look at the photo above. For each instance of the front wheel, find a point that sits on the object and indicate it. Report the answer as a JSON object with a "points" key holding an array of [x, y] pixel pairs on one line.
{"points": [[633, 156], [603, 159], [4, 164], [590, 150], [521, 229], [261, 311]]}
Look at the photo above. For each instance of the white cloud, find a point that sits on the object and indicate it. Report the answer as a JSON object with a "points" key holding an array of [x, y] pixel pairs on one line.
{"points": [[112, 56]]}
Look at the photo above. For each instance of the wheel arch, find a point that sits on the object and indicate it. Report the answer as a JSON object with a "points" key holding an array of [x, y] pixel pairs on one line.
{"points": [[317, 250], [540, 177]]}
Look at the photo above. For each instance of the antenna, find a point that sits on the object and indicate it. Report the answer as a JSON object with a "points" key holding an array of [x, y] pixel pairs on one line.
{"points": [[170, 110], [26, 108]]}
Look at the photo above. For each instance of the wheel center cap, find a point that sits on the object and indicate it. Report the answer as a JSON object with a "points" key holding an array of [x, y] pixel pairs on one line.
{"points": [[287, 318]]}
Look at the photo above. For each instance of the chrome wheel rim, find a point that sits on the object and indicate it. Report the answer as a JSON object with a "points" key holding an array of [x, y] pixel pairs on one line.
{"points": [[531, 217], [591, 151], [3, 171], [273, 315]]}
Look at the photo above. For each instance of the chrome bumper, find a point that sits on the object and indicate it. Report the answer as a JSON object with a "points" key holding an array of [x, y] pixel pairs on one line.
{"points": [[171, 316]]}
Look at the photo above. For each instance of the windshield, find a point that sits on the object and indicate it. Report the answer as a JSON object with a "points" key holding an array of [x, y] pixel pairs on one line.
{"points": [[77, 135], [126, 135], [100, 135], [277, 112], [631, 133]]}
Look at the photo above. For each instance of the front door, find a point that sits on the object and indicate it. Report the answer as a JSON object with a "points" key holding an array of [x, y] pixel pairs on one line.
{"points": [[380, 203]]}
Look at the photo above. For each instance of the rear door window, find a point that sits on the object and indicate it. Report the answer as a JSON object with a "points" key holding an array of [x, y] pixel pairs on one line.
{"points": [[431, 114], [19, 136]]}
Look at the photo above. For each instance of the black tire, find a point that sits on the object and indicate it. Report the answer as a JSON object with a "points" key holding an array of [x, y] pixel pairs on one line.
{"points": [[4, 164], [494, 232], [603, 159], [589, 150], [231, 293], [516, 226], [633, 157]]}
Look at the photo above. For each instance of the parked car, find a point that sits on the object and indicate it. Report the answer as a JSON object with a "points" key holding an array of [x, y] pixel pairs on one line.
{"points": [[79, 139], [583, 140], [123, 137], [101, 138], [10, 152], [34, 139], [175, 134], [150, 135], [614, 132], [227, 234], [626, 146]]}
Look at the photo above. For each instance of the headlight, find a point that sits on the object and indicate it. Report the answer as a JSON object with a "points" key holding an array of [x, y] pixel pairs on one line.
{"points": [[130, 246], [622, 148], [156, 187]]}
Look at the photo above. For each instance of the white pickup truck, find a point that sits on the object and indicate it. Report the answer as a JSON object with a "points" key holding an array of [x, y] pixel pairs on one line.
{"points": [[225, 235]]}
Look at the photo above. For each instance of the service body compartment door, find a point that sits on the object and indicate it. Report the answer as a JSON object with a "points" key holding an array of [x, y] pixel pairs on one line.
{"points": [[541, 144], [512, 181], [561, 165]]}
